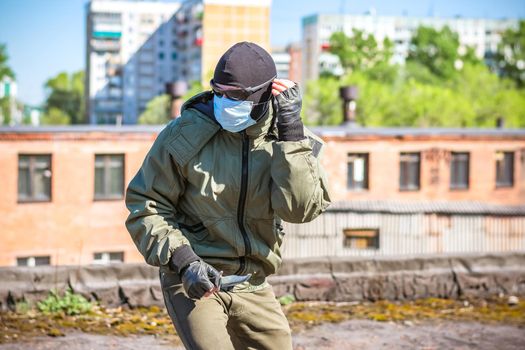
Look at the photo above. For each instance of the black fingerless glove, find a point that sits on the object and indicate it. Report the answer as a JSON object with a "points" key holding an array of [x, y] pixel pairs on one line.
{"points": [[198, 278], [181, 257], [288, 109]]}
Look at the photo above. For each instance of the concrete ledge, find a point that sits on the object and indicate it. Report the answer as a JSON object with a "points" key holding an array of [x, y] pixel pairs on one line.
{"points": [[333, 279]]}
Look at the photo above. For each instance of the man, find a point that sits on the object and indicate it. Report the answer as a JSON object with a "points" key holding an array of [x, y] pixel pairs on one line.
{"points": [[207, 203]]}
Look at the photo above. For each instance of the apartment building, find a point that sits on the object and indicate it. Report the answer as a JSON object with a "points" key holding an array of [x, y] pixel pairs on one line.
{"points": [[134, 48], [130, 56], [481, 34], [62, 198]]}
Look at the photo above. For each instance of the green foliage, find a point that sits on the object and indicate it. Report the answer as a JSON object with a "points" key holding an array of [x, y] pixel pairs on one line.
{"points": [[321, 103], [5, 70], [286, 299], [427, 91], [157, 111], [435, 49], [55, 116], [70, 303], [360, 51], [511, 54], [195, 88], [5, 111], [66, 93]]}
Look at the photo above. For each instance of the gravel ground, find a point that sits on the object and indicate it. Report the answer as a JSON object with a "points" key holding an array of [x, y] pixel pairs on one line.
{"points": [[354, 334]]}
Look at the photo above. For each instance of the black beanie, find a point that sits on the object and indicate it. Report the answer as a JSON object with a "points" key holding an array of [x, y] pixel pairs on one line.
{"points": [[249, 65]]}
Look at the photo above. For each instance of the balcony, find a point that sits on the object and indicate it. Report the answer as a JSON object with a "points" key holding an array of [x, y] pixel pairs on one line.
{"points": [[105, 45], [106, 35]]}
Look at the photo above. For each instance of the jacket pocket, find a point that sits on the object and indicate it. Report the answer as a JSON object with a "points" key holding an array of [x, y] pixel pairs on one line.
{"points": [[197, 231]]}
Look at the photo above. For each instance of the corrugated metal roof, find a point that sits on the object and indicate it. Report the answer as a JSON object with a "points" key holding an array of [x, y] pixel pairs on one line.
{"points": [[337, 131], [438, 207]]}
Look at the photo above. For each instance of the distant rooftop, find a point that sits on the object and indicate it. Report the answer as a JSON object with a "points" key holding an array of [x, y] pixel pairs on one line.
{"points": [[426, 207], [324, 131]]}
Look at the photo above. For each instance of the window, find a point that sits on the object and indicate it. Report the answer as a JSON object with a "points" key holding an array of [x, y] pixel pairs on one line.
{"points": [[459, 170], [34, 178], [109, 176], [361, 238], [504, 169], [161, 55], [357, 171], [409, 164], [108, 257], [33, 261]]}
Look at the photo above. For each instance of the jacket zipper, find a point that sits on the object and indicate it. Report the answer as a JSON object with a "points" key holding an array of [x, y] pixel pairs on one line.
{"points": [[242, 203]]}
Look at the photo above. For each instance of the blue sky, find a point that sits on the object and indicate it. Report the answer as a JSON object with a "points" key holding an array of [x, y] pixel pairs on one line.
{"points": [[45, 37]]}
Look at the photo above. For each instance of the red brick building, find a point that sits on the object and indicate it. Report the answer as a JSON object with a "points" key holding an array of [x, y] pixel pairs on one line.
{"points": [[62, 189]]}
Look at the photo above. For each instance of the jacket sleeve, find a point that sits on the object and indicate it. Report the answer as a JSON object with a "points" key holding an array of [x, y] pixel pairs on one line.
{"points": [[299, 190], [151, 198]]}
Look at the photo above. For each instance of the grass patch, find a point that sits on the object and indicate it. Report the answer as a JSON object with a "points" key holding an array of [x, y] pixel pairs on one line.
{"points": [[69, 303]]}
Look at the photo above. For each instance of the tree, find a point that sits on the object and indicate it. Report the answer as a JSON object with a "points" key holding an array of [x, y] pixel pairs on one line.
{"points": [[476, 97], [360, 51], [321, 102], [435, 49], [195, 88], [5, 70], [55, 116], [157, 111], [511, 54], [66, 93]]}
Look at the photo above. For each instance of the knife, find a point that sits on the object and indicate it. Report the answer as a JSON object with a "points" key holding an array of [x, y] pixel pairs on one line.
{"points": [[228, 282]]}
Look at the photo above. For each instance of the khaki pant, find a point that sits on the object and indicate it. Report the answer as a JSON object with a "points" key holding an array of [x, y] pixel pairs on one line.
{"points": [[225, 320]]}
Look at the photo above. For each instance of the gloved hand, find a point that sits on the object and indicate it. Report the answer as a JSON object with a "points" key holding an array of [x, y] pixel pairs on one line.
{"points": [[200, 279], [288, 109]]}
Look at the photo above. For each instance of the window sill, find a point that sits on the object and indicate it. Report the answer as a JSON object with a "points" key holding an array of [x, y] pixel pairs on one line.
{"points": [[409, 189], [24, 201], [357, 190], [107, 199], [459, 189]]}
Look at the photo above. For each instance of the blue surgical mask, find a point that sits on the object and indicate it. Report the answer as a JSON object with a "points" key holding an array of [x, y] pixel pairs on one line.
{"points": [[233, 115]]}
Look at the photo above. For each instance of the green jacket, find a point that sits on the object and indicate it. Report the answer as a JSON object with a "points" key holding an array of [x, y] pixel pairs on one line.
{"points": [[224, 193]]}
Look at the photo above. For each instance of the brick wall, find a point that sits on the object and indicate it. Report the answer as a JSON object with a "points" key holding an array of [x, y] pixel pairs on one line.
{"points": [[73, 226], [384, 152]]}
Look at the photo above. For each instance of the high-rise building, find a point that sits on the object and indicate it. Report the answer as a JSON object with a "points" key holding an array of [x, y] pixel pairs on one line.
{"points": [[481, 34], [134, 48], [130, 55], [207, 28], [282, 58]]}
